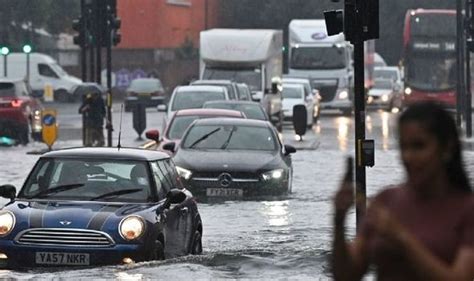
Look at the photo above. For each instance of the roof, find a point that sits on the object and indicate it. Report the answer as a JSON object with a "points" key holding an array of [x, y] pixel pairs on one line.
{"points": [[233, 121], [233, 102], [11, 80], [295, 80], [205, 88], [208, 112], [212, 82], [107, 153]]}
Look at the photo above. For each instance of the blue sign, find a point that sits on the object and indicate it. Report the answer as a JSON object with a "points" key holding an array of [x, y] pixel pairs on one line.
{"points": [[49, 120]]}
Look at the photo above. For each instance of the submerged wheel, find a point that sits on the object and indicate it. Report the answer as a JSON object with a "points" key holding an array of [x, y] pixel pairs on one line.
{"points": [[196, 246], [158, 251], [24, 135], [61, 96]]}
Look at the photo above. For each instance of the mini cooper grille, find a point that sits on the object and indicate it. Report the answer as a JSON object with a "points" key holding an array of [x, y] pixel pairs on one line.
{"points": [[65, 237]]}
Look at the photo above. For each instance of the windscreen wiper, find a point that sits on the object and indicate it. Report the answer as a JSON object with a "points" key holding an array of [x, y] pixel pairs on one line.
{"points": [[227, 141], [204, 137], [117, 193], [56, 189]]}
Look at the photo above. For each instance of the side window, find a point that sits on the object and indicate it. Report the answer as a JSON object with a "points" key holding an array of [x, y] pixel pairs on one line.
{"points": [[45, 70], [173, 173], [167, 176], [162, 187]]}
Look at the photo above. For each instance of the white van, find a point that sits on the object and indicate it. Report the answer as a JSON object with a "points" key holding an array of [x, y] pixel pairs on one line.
{"points": [[43, 70]]}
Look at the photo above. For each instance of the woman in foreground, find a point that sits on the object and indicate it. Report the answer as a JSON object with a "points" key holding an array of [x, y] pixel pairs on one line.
{"points": [[424, 228]]}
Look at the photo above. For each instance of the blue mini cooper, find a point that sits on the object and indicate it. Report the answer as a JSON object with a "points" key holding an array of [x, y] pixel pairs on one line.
{"points": [[95, 206]]}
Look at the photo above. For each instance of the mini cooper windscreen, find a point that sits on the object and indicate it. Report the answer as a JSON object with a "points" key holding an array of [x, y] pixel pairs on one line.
{"points": [[89, 180], [230, 137]]}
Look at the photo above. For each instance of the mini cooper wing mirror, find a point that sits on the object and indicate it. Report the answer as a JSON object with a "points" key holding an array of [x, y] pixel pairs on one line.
{"points": [[169, 146], [8, 191], [176, 196], [153, 135], [289, 149]]}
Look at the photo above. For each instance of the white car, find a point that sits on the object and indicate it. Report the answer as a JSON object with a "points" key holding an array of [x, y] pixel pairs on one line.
{"points": [[390, 72], [308, 91], [294, 94], [383, 95], [193, 96]]}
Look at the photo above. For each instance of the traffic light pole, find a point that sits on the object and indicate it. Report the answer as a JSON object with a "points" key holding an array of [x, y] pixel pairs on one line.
{"points": [[359, 116], [468, 99], [459, 63], [109, 89]]}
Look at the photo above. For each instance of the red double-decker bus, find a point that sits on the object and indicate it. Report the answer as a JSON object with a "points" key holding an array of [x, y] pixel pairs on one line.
{"points": [[429, 56]]}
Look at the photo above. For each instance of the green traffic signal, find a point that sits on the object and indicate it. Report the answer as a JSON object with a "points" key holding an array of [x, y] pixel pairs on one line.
{"points": [[5, 51], [27, 49]]}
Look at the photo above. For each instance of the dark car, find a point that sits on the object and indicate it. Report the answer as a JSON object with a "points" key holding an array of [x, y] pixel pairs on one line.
{"points": [[148, 91], [180, 121], [252, 110], [233, 158], [20, 112], [79, 92], [95, 206]]}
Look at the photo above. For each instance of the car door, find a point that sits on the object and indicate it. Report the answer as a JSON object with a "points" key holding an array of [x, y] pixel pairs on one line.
{"points": [[178, 223]]}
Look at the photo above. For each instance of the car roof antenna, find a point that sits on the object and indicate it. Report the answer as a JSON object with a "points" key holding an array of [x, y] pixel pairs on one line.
{"points": [[120, 128]]}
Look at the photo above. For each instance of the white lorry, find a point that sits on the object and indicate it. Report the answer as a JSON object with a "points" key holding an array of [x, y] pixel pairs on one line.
{"points": [[43, 70], [325, 60], [250, 56]]}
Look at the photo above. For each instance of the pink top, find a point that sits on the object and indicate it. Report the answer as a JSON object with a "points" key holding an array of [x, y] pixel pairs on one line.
{"points": [[443, 225]]}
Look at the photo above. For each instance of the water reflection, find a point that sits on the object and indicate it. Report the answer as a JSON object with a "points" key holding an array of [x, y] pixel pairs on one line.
{"points": [[128, 277], [276, 212], [385, 116], [342, 124]]}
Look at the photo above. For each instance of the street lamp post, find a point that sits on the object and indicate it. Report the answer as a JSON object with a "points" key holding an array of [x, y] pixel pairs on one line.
{"points": [[5, 51], [27, 51]]}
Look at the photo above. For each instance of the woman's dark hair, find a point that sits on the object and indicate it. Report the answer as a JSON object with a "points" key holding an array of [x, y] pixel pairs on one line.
{"points": [[441, 125]]}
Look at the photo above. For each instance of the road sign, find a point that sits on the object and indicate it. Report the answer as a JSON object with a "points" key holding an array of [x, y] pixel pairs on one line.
{"points": [[50, 126]]}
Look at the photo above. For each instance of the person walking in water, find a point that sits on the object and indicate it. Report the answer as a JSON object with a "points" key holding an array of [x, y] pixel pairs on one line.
{"points": [[422, 229], [93, 110]]}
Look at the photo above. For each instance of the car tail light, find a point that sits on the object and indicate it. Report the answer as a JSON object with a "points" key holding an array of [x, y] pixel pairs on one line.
{"points": [[16, 103]]}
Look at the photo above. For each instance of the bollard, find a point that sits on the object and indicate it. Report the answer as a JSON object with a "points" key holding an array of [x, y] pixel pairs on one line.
{"points": [[300, 117], [139, 118]]}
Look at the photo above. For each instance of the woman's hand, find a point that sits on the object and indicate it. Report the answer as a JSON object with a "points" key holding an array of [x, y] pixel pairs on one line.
{"points": [[344, 198]]}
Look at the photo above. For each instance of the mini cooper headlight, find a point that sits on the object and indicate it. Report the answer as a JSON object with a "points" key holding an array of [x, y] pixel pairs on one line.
{"points": [[131, 227], [273, 174], [184, 173], [7, 222]]}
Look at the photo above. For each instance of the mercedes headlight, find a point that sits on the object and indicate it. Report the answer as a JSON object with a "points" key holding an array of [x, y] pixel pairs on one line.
{"points": [[272, 175], [7, 222], [408, 90], [131, 227], [184, 173], [343, 95], [385, 98]]}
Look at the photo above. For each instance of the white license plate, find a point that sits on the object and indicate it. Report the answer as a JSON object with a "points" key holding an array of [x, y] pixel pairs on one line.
{"points": [[224, 192], [57, 258]]}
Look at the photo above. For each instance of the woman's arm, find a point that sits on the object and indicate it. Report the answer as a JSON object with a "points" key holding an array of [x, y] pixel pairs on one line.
{"points": [[349, 260]]}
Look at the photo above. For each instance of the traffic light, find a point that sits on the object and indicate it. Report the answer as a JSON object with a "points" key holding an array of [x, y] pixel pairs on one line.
{"points": [[78, 26], [358, 16], [27, 48], [5, 51], [115, 24]]}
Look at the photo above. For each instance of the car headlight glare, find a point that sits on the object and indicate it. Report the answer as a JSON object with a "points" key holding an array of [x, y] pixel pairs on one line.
{"points": [[131, 227], [343, 95], [408, 91], [384, 98], [273, 174], [184, 173], [7, 222]]}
